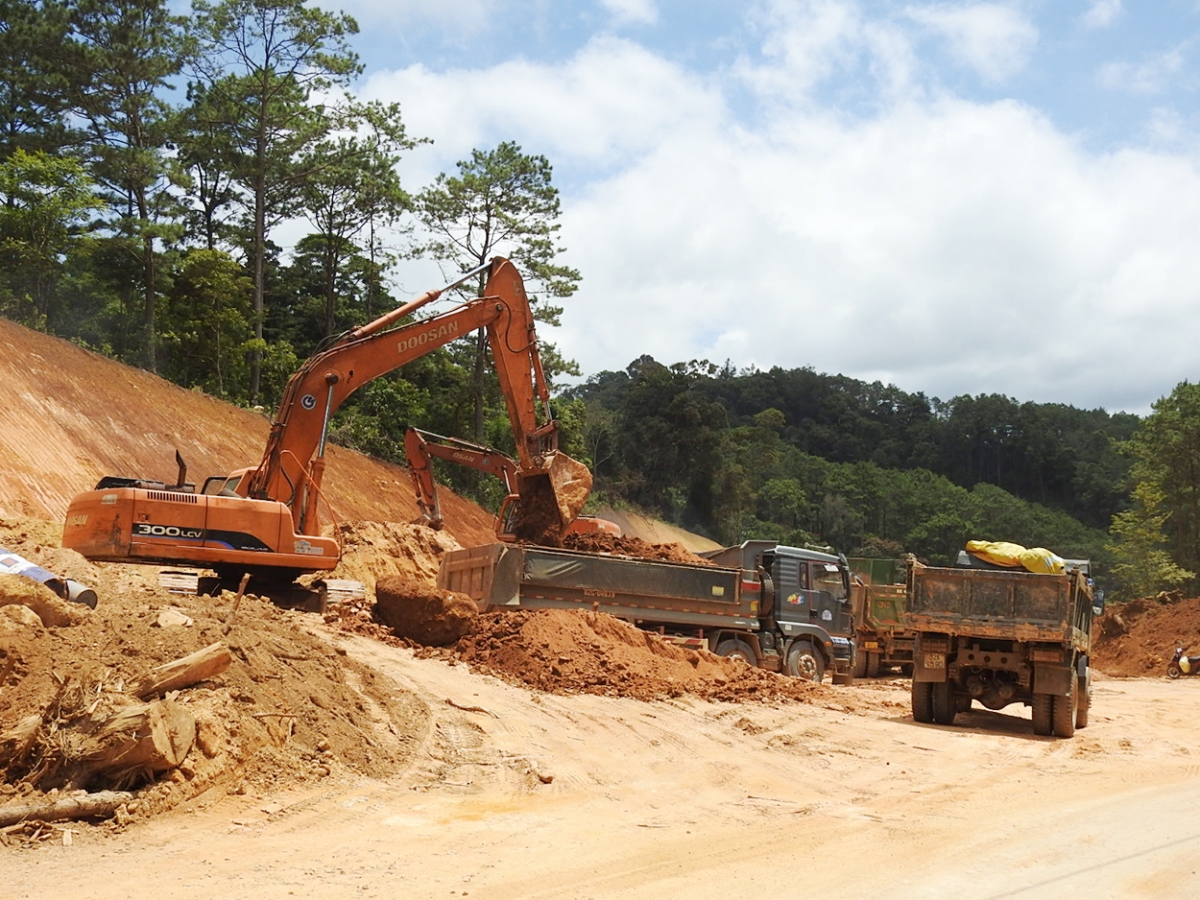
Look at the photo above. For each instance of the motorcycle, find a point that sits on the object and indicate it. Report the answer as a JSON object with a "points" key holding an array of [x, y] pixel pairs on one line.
{"points": [[1181, 664]]}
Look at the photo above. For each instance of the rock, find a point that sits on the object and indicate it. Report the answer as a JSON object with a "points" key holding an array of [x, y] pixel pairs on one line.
{"points": [[17, 616], [53, 611], [423, 614]]}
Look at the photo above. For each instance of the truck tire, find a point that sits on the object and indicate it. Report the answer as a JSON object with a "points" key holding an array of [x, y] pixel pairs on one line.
{"points": [[860, 662], [1043, 706], [922, 701], [735, 648], [1085, 703], [1066, 707], [942, 701], [803, 661], [873, 664]]}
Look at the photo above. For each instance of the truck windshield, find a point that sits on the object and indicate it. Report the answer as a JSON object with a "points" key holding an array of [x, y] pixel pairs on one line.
{"points": [[828, 577]]}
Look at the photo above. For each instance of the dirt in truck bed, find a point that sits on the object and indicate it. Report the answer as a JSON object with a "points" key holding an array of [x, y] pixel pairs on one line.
{"points": [[632, 546]]}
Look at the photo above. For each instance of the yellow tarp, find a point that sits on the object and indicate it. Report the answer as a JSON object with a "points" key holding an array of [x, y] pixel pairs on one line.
{"points": [[1003, 553]]}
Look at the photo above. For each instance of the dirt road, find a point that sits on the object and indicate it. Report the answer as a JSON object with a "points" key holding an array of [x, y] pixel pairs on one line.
{"points": [[520, 795]]}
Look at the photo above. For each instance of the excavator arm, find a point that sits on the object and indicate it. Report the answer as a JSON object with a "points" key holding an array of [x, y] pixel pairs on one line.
{"points": [[422, 447], [292, 466]]}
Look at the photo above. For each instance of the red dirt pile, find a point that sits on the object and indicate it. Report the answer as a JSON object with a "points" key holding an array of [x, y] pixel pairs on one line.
{"points": [[583, 652], [287, 710], [1139, 637]]}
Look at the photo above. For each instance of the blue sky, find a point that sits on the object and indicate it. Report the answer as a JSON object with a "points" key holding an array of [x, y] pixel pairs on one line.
{"points": [[957, 198]]}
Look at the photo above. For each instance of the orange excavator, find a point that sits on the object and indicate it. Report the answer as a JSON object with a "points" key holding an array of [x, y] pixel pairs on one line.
{"points": [[264, 520], [422, 447]]}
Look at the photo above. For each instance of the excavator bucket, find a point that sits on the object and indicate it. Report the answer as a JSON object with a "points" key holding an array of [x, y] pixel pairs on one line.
{"points": [[551, 499]]}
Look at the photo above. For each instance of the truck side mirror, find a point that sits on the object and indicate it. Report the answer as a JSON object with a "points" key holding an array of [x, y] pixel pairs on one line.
{"points": [[1098, 603]]}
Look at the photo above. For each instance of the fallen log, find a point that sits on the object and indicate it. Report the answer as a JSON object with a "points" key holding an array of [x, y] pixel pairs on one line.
{"points": [[85, 806], [204, 663]]}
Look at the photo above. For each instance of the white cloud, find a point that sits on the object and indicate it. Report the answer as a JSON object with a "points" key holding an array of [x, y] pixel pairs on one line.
{"points": [[993, 39], [942, 245], [1102, 13], [632, 12], [803, 43], [1152, 76], [611, 102]]}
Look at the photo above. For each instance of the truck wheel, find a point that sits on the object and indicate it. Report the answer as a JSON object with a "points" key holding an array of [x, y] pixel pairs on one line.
{"points": [[873, 665], [1065, 709], [1043, 705], [922, 701], [735, 648], [1085, 703], [860, 662], [803, 661], [943, 703]]}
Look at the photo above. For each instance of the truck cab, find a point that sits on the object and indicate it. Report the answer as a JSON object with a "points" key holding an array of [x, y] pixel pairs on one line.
{"points": [[805, 610]]}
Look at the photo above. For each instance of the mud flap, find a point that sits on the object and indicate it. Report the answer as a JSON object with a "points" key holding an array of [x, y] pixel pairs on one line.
{"points": [[1056, 680]]}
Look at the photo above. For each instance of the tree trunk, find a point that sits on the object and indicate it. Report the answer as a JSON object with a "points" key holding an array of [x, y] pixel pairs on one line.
{"points": [[16, 742], [204, 663], [102, 803], [480, 367]]}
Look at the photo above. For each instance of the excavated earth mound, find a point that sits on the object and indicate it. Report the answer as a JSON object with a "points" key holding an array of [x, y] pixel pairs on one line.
{"points": [[1139, 637], [287, 710], [580, 651], [423, 614]]}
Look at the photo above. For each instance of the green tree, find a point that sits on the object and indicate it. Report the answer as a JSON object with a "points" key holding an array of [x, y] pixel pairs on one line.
{"points": [[501, 203], [36, 87], [44, 202], [1141, 564], [353, 186], [1165, 451], [208, 154], [263, 64], [130, 48], [207, 323]]}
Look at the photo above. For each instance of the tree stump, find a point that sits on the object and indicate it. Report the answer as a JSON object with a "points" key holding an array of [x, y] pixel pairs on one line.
{"points": [[146, 738]]}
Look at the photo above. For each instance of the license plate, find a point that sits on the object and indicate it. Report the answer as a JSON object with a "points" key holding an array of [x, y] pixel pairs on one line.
{"points": [[935, 660]]}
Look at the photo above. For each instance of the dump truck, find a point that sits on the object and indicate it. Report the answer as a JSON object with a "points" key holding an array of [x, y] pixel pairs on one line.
{"points": [[879, 599], [1001, 636], [781, 608]]}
